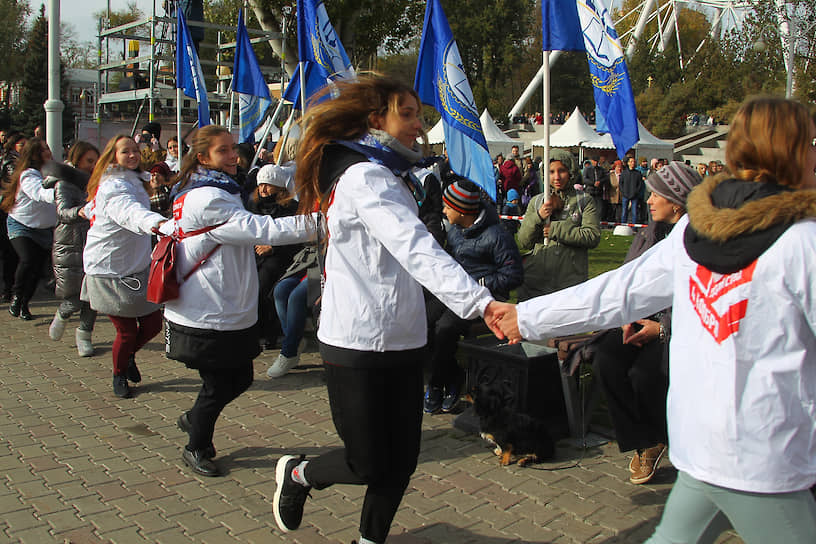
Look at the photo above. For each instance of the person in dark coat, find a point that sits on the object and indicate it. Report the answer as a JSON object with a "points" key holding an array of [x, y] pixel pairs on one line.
{"points": [[631, 187], [510, 176], [69, 241], [14, 143], [489, 254]]}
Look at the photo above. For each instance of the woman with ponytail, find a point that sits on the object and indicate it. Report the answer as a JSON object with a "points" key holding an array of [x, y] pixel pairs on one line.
{"points": [[355, 164]]}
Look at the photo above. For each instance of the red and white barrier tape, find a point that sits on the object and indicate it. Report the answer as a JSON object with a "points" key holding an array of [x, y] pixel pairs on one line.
{"points": [[603, 223]]}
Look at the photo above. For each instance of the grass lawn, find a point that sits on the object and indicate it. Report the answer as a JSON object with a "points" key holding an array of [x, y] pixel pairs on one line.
{"points": [[609, 254]]}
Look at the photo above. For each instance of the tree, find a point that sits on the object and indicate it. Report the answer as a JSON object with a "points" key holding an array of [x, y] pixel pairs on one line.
{"points": [[12, 41]]}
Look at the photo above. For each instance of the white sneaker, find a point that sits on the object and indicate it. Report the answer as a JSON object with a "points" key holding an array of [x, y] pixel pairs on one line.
{"points": [[282, 365], [57, 327], [83, 341]]}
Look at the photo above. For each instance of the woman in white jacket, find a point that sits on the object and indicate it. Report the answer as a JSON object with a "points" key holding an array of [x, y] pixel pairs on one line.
{"points": [[117, 255], [32, 216], [738, 271], [212, 325], [372, 325]]}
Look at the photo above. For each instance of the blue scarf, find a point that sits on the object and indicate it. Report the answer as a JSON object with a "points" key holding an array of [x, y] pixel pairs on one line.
{"points": [[203, 177], [379, 153]]}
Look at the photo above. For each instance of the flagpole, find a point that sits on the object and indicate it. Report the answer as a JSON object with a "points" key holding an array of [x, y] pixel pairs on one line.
{"points": [[179, 98], [545, 178], [232, 110], [302, 87], [287, 126], [269, 126]]}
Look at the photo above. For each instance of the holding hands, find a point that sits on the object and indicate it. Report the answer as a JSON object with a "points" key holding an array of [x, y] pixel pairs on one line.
{"points": [[502, 319]]}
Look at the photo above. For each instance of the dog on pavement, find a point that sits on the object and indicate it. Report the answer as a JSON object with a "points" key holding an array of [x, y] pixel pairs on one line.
{"points": [[517, 437]]}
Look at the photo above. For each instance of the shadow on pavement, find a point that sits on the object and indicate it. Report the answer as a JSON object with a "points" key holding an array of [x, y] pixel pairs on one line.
{"points": [[445, 532]]}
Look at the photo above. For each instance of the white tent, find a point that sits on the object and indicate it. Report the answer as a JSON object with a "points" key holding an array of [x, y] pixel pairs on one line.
{"points": [[436, 135], [497, 141], [576, 132], [648, 146]]}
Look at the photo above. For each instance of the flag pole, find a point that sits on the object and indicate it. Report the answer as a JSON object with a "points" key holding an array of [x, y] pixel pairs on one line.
{"points": [[269, 126], [545, 177], [232, 110], [287, 126], [179, 98], [302, 88]]}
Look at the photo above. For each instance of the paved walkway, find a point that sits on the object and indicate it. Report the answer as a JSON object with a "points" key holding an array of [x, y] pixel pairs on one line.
{"points": [[79, 465]]}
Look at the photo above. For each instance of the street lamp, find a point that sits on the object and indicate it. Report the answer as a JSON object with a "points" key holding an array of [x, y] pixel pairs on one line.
{"points": [[83, 96]]}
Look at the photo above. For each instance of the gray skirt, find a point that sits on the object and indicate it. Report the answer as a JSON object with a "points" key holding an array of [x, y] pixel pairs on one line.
{"points": [[119, 297]]}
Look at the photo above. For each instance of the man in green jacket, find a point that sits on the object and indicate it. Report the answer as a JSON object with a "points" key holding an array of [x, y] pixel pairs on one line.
{"points": [[557, 232]]}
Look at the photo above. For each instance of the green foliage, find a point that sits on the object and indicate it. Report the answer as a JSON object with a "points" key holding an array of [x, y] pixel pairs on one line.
{"points": [[13, 13]]}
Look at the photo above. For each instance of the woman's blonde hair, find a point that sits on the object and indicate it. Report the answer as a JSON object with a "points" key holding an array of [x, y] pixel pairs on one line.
{"points": [[769, 140], [202, 140], [107, 158], [30, 157], [345, 117]]}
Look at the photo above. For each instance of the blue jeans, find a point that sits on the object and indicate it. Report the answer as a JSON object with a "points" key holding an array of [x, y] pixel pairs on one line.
{"points": [[290, 303], [626, 204]]}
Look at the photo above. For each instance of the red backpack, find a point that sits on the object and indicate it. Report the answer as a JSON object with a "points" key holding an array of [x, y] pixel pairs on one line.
{"points": [[163, 284]]}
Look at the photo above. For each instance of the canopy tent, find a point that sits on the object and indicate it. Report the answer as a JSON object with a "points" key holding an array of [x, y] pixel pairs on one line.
{"points": [[497, 141], [576, 132], [648, 146]]}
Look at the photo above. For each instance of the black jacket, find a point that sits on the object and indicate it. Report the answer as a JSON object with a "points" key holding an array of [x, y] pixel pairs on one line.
{"points": [[631, 183], [488, 253]]}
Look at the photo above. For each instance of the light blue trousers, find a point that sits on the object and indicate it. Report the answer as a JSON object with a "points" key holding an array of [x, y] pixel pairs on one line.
{"points": [[697, 512]]}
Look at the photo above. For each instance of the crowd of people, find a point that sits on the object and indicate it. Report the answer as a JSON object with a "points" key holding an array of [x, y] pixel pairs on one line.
{"points": [[394, 263]]}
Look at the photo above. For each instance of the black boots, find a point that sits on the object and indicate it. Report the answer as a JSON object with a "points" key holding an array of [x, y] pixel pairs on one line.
{"points": [[18, 308], [14, 308]]}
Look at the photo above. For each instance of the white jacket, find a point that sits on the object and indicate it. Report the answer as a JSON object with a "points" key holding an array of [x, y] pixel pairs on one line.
{"points": [[379, 254], [222, 294], [742, 394], [118, 243], [34, 206]]}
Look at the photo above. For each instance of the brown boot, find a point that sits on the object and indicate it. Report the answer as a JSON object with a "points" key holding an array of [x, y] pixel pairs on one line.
{"points": [[649, 459]]}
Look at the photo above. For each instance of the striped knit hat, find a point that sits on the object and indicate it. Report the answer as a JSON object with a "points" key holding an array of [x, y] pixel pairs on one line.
{"points": [[674, 182], [462, 196]]}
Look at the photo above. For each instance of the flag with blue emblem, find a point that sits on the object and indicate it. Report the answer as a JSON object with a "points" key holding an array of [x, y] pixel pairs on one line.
{"points": [[589, 20], [189, 77], [322, 56], [248, 81], [441, 82]]}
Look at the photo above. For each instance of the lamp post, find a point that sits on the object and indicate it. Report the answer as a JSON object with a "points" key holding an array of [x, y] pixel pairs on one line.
{"points": [[54, 106]]}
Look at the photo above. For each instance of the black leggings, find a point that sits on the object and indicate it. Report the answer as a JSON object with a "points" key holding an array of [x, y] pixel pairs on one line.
{"points": [[32, 258], [378, 414]]}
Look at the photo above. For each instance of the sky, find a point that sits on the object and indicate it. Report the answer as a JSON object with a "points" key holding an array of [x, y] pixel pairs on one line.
{"points": [[79, 13]]}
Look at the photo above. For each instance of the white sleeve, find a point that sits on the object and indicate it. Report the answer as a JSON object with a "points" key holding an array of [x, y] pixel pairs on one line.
{"points": [[382, 207], [127, 212], [241, 227], [31, 185], [636, 290]]}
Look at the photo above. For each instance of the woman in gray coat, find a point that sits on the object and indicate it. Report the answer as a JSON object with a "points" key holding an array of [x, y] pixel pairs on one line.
{"points": [[71, 181]]}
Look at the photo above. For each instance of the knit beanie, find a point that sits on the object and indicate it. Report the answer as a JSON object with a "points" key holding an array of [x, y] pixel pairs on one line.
{"points": [[462, 196], [512, 194], [163, 169], [674, 182]]}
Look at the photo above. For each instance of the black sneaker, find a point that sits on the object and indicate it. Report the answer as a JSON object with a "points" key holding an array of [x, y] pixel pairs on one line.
{"points": [[433, 399], [120, 387], [290, 496], [133, 373], [451, 398], [184, 424]]}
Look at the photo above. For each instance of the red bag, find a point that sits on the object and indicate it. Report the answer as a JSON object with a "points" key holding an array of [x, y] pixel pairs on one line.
{"points": [[163, 284]]}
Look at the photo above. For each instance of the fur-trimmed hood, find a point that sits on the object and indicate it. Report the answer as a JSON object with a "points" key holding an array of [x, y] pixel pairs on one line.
{"points": [[732, 222]]}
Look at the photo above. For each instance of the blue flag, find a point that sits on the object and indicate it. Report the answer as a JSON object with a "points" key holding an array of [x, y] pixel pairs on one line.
{"points": [[319, 50], [248, 81], [441, 82], [188, 71], [586, 25]]}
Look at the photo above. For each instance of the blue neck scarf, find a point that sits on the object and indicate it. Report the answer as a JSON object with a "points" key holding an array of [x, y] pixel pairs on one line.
{"points": [[204, 177]]}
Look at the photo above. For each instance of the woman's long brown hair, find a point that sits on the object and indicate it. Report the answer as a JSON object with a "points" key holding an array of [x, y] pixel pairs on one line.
{"points": [[769, 140], [30, 157], [201, 145], [107, 158], [345, 117]]}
